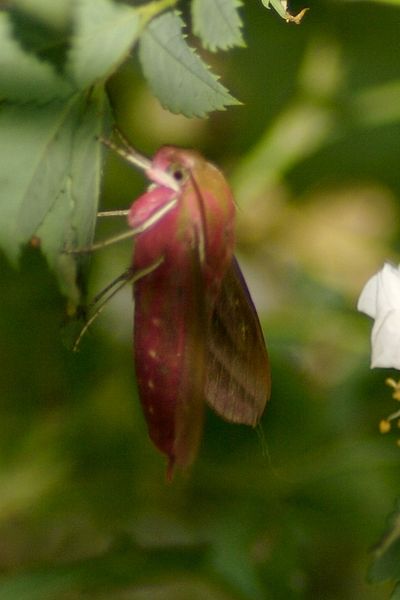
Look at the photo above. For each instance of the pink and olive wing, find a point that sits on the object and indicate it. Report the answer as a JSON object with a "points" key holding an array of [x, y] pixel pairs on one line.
{"points": [[190, 402], [170, 353], [238, 380]]}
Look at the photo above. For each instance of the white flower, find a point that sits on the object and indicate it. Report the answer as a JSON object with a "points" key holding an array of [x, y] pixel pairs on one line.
{"points": [[380, 299]]}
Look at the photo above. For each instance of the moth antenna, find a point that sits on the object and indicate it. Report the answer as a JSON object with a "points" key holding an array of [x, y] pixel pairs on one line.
{"points": [[128, 153], [124, 140]]}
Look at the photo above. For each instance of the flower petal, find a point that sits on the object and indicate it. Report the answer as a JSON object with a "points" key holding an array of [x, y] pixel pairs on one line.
{"points": [[381, 293], [367, 300], [385, 341], [388, 288]]}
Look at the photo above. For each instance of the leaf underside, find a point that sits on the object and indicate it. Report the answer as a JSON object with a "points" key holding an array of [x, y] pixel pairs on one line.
{"points": [[50, 156], [217, 23], [49, 180], [176, 74]]}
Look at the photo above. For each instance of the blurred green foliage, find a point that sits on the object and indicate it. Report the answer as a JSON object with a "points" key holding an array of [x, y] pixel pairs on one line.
{"points": [[313, 156]]}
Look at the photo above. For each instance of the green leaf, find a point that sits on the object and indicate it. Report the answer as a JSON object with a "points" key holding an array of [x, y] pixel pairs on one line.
{"points": [[71, 220], [386, 565], [49, 179], [217, 23], [104, 34], [24, 77], [31, 163], [279, 5], [281, 8], [176, 74]]}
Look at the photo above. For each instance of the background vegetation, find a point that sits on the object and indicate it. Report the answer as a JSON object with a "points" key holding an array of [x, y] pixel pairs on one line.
{"points": [[313, 158]]}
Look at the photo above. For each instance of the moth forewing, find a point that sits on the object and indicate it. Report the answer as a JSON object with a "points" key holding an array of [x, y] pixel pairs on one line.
{"points": [[190, 401], [238, 380], [169, 340]]}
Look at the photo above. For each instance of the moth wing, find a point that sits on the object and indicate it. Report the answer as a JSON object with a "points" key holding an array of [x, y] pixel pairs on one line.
{"points": [[238, 380], [170, 355], [190, 402]]}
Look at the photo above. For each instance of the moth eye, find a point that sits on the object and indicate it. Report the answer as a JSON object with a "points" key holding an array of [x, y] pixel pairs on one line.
{"points": [[177, 172]]}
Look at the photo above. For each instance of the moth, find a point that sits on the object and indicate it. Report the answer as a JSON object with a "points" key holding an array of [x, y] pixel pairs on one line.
{"points": [[197, 338]]}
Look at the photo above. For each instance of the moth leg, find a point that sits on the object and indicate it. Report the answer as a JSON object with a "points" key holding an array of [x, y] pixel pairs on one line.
{"points": [[127, 234], [99, 245], [123, 279], [113, 213], [127, 276]]}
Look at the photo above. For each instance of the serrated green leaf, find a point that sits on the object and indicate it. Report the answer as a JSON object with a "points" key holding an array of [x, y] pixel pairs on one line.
{"points": [[23, 76], [386, 564], [104, 34], [176, 74], [217, 23], [49, 179], [279, 5]]}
